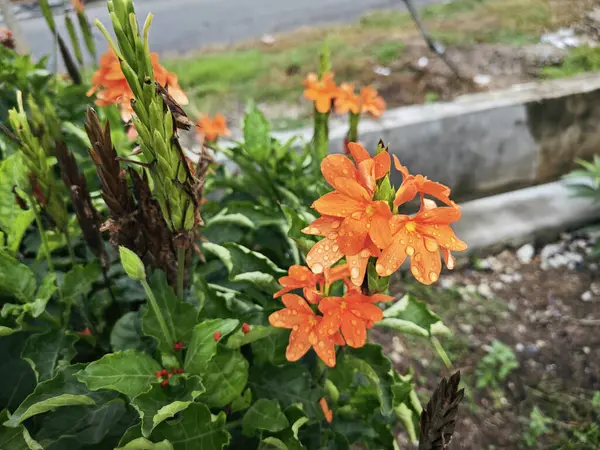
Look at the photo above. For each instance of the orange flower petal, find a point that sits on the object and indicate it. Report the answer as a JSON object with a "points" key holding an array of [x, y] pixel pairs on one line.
{"points": [[352, 236], [393, 256], [352, 189], [367, 311], [448, 258], [406, 192], [444, 236], [337, 166], [354, 330], [325, 349], [324, 226], [358, 152], [284, 319], [296, 303], [298, 345], [337, 273], [366, 174], [323, 255], [425, 265], [400, 168], [436, 216], [338, 205], [382, 164], [326, 411], [358, 264]]}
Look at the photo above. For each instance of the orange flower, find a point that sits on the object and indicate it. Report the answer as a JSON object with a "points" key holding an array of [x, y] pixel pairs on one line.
{"points": [[6, 38], [78, 6], [110, 85], [415, 184], [301, 277], [211, 129], [421, 237], [371, 102], [347, 100], [354, 225], [352, 314], [326, 411], [321, 92], [305, 325]]}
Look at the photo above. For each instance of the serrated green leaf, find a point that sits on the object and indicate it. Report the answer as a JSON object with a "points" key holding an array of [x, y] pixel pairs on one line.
{"points": [[202, 346], [160, 404], [239, 259], [223, 218], [406, 418], [130, 372], [410, 315], [127, 332], [271, 349], [257, 139], [180, 317], [43, 295], [242, 402], [145, 444], [19, 379], [256, 333], [272, 443], [225, 378], [16, 438], [264, 415], [78, 282], [290, 385], [15, 278], [46, 353], [197, 429], [60, 391]]}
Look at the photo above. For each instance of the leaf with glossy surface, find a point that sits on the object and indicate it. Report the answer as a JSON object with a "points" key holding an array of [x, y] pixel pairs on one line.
{"points": [[130, 372], [16, 438], [62, 390], [47, 352], [257, 139], [127, 333], [265, 415], [271, 349], [160, 404], [202, 346], [15, 278], [78, 282], [145, 444], [410, 315], [197, 429], [256, 333], [225, 378], [17, 376], [43, 295], [179, 316]]}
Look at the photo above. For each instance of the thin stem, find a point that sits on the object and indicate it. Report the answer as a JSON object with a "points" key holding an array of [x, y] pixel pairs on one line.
{"points": [[69, 245], [233, 424], [158, 313], [441, 352], [180, 271], [50, 319]]}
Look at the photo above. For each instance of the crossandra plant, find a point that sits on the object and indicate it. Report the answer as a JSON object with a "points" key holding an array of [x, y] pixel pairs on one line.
{"points": [[168, 329]]}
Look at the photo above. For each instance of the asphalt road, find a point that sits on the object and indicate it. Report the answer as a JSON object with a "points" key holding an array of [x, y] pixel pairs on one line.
{"points": [[181, 26]]}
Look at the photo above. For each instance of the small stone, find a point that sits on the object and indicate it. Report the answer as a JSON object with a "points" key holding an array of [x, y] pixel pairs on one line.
{"points": [[525, 254], [268, 39], [482, 80], [383, 71], [423, 62], [484, 290], [521, 328], [519, 347], [595, 288], [425, 363], [512, 305], [517, 277], [466, 328], [397, 344], [447, 283], [587, 296], [586, 350], [396, 357], [497, 285], [540, 344]]}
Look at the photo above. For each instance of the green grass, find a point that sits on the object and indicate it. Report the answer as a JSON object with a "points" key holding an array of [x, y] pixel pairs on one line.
{"points": [[388, 51], [579, 60]]}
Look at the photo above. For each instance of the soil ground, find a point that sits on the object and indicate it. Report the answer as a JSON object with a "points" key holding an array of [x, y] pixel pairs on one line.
{"points": [[549, 320]]}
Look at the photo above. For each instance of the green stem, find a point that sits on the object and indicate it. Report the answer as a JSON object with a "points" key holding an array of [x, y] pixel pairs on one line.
{"points": [[161, 320], [441, 352], [69, 245], [180, 271], [353, 131], [50, 319], [233, 424]]}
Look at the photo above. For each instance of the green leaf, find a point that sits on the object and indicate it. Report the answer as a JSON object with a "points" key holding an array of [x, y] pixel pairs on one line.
{"points": [[385, 191], [223, 218], [271, 349], [130, 372], [202, 346], [257, 139], [180, 317], [257, 332], [377, 284], [225, 378], [133, 265], [17, 376], [410, 316], [160, 404], [265, 415], [44, 293], [47, 13], [242, 402], [406, 417], [272, 443], [197, 429], [46, 353], [289, 385], [60, 391], [15, 278], [78, 282], [17, 438], [127, 332], [145, 444]]}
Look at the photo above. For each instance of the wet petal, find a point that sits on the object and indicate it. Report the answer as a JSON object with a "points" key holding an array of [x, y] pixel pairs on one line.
{"points": [[352, 189], [358, 266], [366, 311], [444, 236], [425, 265], [358, 152], [366, 174], [353, 235], [380, 231], [338, 166], [298, 345], [354, 330], [338, 205], [323, 255], [296, 303], [325, 349], [393, 256], [382, 164], [400, 168], [323, 226], [406, 192]]}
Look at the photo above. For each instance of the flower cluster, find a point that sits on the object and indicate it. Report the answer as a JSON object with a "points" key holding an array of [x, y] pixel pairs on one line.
{"points": [[325, 93], [209, 129], [6, 38], [360, 223], [111, 87]]}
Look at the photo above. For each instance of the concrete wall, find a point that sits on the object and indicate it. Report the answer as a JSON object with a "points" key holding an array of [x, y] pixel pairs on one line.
{"points": [[482, 144]]}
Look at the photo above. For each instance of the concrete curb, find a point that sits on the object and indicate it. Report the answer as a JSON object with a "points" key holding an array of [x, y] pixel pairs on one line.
{"points": [[515, 218]]}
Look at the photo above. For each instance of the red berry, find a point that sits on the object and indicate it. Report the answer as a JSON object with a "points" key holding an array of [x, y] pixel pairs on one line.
{"points": [[179, 370], [164, 383], [245, 328], [178, 345], [169, 375], [217, 335], [164, 372], [159, 374]]}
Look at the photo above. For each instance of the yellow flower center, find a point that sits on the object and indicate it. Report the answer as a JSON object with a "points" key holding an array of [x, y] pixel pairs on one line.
{"points": [[312, 321], [410, 227], [370, 211], [343, 305]]}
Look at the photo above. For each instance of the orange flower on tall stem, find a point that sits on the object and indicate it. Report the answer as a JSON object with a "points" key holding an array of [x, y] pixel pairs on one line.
{"points": [[305, 326], [352, 315], [78, 6], [6, 38], [371, 102], [211, 129], [346, 100], [111, 87], [422, 238], [418, 184], [320, 91], [312, 284]]}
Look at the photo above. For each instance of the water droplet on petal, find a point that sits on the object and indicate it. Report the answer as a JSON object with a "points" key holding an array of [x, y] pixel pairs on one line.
{"points": [[332, 236], [431, 245], [331, 361], [350, 342], [433, 276], [355, 272], [353, 322], [326, 247], [321, 344], [410, 250], [335, 247], [294, 312], [389, 272], [317, 268], [415, 271], [356, 215], [365, 253], [314, 230], [379, 268], [319, 250], [402, 241], [335, 225]]}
